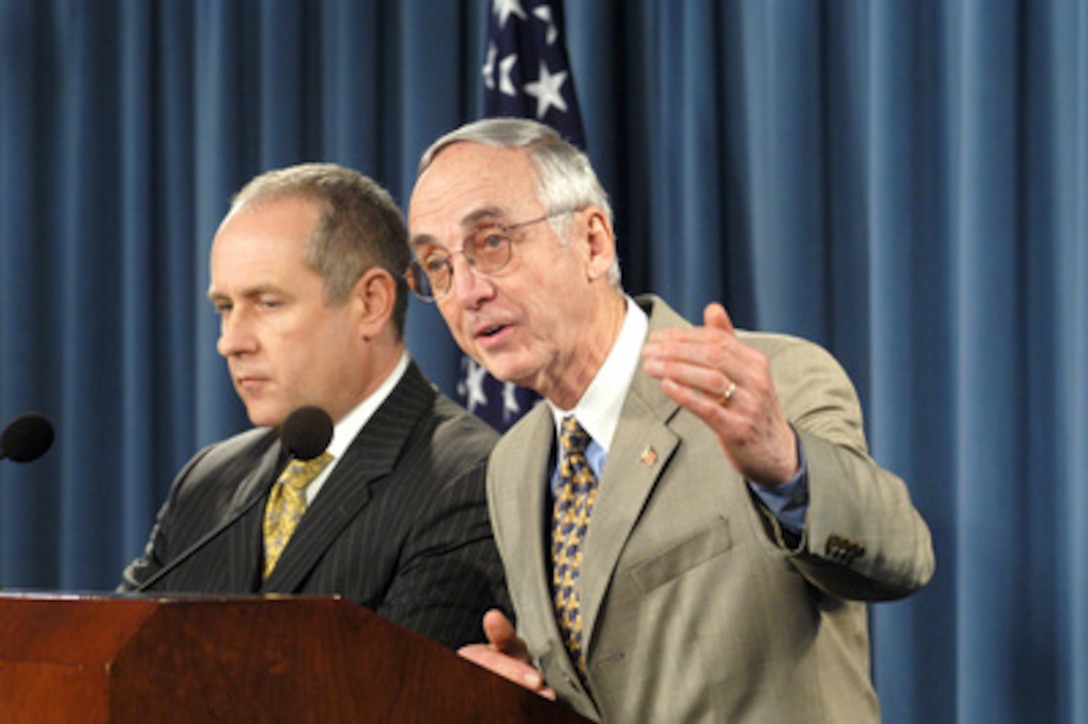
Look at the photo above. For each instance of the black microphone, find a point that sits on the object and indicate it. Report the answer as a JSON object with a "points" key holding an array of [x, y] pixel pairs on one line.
{"points": [[26, 438], [306, 432], [304, 435]]}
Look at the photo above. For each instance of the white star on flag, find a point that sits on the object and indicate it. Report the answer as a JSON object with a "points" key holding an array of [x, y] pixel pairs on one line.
{"points": [[506, 86], [472, 386], [510, 407], [489, 66], [547, 90], [545, 14], [505, 8]]}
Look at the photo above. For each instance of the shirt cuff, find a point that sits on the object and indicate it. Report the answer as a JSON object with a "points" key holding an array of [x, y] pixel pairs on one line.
{"points": [[788, 502]]}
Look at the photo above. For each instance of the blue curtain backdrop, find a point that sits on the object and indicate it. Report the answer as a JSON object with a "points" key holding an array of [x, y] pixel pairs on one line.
{"points": [[905, 182]]}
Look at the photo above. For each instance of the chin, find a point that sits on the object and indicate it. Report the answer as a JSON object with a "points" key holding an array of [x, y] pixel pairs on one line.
{"points": [[265, 418], [508, 373], [494, 367]]}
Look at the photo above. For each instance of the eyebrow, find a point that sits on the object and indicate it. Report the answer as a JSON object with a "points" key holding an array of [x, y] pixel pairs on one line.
{"points": [[250, 293], [468, 222]]}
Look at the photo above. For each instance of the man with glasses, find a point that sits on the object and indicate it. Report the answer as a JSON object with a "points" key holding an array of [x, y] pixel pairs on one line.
{"points": [[691, 524]]}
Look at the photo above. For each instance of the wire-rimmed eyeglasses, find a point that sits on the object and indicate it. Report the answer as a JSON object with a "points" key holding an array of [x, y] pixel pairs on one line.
{"points": [[487, 250]]}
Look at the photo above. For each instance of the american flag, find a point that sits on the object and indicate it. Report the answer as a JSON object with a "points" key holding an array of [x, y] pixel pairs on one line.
{"points": [[526, 74]]}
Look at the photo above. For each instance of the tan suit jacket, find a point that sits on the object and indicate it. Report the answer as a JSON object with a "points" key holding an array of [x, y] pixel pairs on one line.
{"points": [[694, 609]]}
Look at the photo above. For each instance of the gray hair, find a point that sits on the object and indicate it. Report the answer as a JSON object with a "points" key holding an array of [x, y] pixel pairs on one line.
{"points": [[564, 177], [360, 227]]}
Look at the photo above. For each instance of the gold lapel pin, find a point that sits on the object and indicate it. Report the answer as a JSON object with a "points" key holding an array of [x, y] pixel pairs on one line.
{"points": [[648, 457]]}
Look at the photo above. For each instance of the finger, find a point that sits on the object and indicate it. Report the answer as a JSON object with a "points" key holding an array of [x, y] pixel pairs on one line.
{"points": [[497, 628], [715, 317], [704, 405], [712, 352], [508, 668], [674, 336], [704, 381], [502, 637], [704, 345]]}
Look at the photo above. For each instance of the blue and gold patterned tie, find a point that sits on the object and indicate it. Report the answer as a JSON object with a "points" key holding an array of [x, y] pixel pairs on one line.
{"points": [[287, 504], [570, 519]]}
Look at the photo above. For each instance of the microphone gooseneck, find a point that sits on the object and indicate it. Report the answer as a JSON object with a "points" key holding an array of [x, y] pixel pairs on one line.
{"points": [[304, 434], [26, 438]]}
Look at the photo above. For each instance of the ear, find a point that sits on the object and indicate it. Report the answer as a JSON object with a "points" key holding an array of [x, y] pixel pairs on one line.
{"points": [[601, 241], [373, 299]]}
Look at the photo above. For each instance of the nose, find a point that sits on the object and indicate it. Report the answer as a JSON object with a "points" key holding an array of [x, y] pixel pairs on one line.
{"points": [[235, 334], [470, 287]]}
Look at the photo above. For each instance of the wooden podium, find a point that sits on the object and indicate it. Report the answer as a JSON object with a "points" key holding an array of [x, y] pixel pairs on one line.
{"points": [[291, 659]]}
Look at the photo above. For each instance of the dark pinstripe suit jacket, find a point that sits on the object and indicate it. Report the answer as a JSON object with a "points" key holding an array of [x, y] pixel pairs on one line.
{"points": [[400, 525]]}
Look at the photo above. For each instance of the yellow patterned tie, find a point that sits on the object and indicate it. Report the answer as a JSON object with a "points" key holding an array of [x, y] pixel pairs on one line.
{"points": [[287, 504], [570, 519]]}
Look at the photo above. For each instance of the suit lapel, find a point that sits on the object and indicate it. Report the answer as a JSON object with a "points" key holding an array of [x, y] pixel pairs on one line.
{"points": [[639, 454], [259, 480], [533, 520], [243, 539], [643, 445], [371, 456]]}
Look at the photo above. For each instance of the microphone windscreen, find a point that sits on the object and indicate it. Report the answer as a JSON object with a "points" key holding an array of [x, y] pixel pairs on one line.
{"points": [[306, 432], [26, 438]]}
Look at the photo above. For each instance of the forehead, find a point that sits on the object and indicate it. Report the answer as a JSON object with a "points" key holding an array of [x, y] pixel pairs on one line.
{"points": [[468, 183], [264, 239], [273, 218]]}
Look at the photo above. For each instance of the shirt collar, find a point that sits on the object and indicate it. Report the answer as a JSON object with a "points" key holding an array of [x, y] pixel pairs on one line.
{"points": [[344, 432], [599, 409]]}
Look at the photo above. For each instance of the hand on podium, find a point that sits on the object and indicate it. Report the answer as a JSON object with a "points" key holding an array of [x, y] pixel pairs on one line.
{"points": [[506, 654]]}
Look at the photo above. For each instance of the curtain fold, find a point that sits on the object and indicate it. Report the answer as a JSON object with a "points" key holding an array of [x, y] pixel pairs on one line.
{"points": [[903, 182]]}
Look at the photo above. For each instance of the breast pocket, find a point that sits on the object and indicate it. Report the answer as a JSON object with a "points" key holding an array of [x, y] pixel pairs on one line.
{"points": [[702, 546]]}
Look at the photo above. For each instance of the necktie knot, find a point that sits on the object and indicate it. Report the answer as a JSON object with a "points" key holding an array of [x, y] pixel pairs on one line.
{"points": [[300, 473], [573, 439]]}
